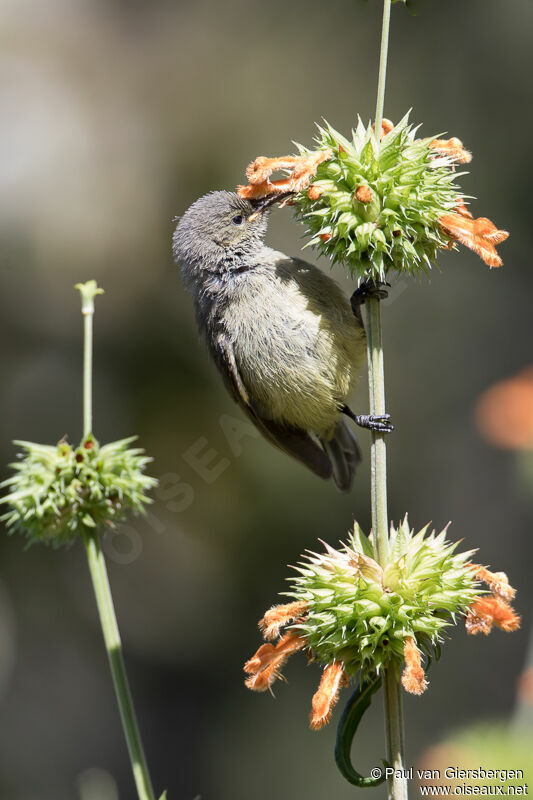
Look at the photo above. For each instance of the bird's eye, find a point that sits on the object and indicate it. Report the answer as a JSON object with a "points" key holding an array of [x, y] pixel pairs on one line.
{"points": [[238, 220]]}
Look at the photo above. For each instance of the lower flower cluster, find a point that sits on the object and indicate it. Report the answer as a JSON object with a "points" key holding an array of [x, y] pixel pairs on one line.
{"points": [[355, 616]]}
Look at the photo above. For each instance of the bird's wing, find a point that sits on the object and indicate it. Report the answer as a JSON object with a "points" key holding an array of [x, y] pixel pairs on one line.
{"points": [[293, 441]]}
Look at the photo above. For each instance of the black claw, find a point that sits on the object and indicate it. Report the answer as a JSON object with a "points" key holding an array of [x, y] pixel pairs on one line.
{"points": [[375, 422], [368, 289]]}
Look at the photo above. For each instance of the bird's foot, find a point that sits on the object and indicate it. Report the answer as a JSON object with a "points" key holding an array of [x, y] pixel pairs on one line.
{"points": [[380, 423], [367, 290]]}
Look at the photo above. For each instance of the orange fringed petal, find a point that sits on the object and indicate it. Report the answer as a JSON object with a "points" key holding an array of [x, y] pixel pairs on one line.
{"points": [[474, 623], [263, 680], [288, 644], [463, 210], [413, 677], [480, 235], [259, 171], [488, 611], [256, 191], [264, 666], [278, 616], [453, 148], [262, 168], [326, 696], [497, 582], [261, 658]]}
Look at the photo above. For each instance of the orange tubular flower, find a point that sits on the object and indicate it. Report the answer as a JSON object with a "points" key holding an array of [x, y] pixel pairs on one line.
{"points": [[494, 609], [463, 210], [263, 668], [497, 582], [413, 678], [265, 665], [278, 616], [480, 235], [453, 148], [327, 694], [303, 171], [488, 611]]}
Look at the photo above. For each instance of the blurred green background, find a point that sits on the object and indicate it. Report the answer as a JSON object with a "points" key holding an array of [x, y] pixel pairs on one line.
{"points": [[116, 115]]}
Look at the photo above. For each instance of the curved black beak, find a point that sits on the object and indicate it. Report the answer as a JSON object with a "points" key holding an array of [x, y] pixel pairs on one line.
{"points": [[266, 202]]}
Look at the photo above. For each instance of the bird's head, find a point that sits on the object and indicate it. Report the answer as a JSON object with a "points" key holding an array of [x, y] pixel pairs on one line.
{"points": [[219, 227]]}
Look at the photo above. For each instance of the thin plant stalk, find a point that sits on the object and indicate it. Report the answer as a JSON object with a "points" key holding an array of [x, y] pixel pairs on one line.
{"points": [[382, 77], [378, 452], [88, 313], [102, 591], [392, 691]]}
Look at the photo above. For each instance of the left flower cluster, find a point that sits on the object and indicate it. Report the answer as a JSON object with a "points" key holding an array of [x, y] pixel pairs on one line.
{"points": [[58, 491]]}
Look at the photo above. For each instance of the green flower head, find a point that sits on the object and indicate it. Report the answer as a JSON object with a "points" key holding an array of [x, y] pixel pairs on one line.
{"points": [[58, 491], [352, 615], [376, 205], [361, 614]]}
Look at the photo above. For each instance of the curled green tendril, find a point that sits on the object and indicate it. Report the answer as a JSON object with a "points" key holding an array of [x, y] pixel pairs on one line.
{"points": [[356, 706]]}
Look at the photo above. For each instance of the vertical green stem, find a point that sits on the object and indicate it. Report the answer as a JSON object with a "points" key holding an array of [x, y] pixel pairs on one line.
{"points": [[108, 621], [100, 580], [384, 51], [392, 692], [87, 372], [378, 456]]}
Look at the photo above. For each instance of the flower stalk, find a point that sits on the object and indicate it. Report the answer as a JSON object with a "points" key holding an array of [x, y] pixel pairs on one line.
{"points": [[88, 292], [378, 448], [113, 645], [392, 692], [383, 56], [100, 580]]}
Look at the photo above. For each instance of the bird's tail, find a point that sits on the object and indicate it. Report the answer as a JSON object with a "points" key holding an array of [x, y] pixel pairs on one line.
{"points": [[344, 454]]}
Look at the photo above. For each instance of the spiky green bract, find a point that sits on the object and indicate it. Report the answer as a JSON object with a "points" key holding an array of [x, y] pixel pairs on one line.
{"points": [[58, 491], [411, 187], [361, 614]]}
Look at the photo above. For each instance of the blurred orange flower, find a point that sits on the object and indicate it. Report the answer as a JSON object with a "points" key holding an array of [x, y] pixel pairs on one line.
{"points": [[504, 412]]}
